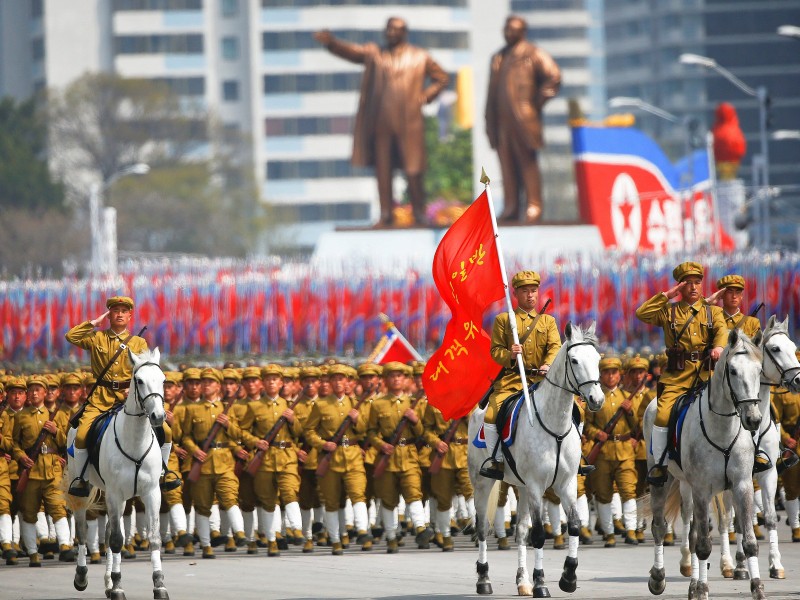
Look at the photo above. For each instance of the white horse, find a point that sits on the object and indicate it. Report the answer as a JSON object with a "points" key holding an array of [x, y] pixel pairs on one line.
{"points": [[779, 367], [129, 465], [547, 452], [716, 455]]}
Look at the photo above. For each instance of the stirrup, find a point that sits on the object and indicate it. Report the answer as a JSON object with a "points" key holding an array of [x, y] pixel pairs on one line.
{"points": [[172, 484], [80, 488], [585, 469], [787, 460], [657, 475], [493, 471], [759, 466]]}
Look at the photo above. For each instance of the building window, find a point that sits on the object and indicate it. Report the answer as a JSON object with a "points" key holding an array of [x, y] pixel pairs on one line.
{"points": [[184, 86], [120, 5], [308, 3], [230, 48], [230, 8], [230, 90], [334, 211], [301, 83], [312, 169], [304, 40], [37, 49], [292, 126], [159, 44]]}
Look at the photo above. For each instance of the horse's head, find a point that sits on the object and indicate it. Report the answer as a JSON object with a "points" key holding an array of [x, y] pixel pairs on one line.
{"points": [[779, 365], [147, 385], [582, 365], [740, 363]]}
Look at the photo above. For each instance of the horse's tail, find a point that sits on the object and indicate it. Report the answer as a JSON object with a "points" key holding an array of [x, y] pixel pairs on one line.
{"points": [[94, 501], [491, 504], [672, 505]]}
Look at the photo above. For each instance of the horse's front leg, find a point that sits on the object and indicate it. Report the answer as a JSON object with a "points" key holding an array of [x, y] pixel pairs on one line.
{"points": [[114, 542], [537, 538], [81, 580], [483, 488], [700, 540], [658, 578], [769, 484], [152, 504], [569, 578], [524, 585], [687, 564], [743, 499]]}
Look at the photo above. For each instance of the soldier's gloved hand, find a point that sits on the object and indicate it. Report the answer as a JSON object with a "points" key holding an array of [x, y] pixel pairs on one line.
{"points": [[715, 353], [288, 414], [442, 447], [601, 436], [223, 420], [98, 320], [329, 446], [627, 406], [411, 416], [50, 427], [262, 445]]}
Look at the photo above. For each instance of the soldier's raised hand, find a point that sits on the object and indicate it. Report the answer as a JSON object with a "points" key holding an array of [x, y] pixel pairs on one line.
{"points": [[324, 37], [712, 299], [100, 319], [674, 291]]}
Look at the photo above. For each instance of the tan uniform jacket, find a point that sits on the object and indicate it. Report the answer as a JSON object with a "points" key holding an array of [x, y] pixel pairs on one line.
{"points": [[239, 410], [178, 414], [258, 419], [323, 422], [746, 324], [102, 345], [597, 421], [657, 311], [6, 447], [370, 452], [435, 429], [424, 450], [787, 411], [539, 348], [13, 466], [640, 403], [385, 415], [302, 410], [196, 425], [27, 426]]}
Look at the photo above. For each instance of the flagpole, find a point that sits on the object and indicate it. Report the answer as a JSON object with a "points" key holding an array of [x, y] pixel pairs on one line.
{"points": [[512, 318]]}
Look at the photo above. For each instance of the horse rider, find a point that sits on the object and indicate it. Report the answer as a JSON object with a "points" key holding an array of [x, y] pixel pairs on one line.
{"points": [[112, 387], [731, 289], [786, 405], [539, 342], [695, 334]]}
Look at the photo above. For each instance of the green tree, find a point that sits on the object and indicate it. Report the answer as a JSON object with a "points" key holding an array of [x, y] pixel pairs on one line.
{"points": [[25, 181], [449, 173]]}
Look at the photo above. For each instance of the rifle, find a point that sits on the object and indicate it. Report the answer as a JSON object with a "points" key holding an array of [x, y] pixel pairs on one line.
{"points": [[194, 474], [595, 451], [438, 458], [383, 459], [37, 449], [255, 463], [324, 462]]}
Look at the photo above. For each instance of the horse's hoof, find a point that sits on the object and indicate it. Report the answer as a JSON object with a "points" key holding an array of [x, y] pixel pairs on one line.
{"points": [[693, 589], [541, 592], [776, 573], [757, 589], [524, 589], [108, 593], [160, 594], [657, 581], [741, 574], [701, 591], [81, 580], [727, 572], [484, 588], [568, 585], [686, 570], [117, 595]]}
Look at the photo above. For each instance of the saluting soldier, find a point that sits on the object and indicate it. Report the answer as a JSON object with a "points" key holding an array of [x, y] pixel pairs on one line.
{"points": [[278, 474], [346, 474], [45, 472], [113, 386], [634, 382], [694, 332], [616, 461], [403, 471], [216, 475], [539, 343], [787, 413], [309, 496]]}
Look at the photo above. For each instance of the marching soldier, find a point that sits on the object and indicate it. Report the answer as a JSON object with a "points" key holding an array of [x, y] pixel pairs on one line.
{"points": [[6, 448], [634, 382], [216, 475], [539, 342], [45, 471], [113, 386], [72, 388], [369, 377], [191, 390], [172, 500], [616, 462], [787, 413], [278, 475], [254, 390], [346, 472], [16, 396], [693, 333], [309, 496], [403, 471]]}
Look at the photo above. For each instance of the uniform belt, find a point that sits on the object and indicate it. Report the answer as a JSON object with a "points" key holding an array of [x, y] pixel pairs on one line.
{"points": [[621, 437], [281, 445], [45, 449], [216, 445], [404, 441], [346, 442], [696, 355], [115, 385], [462, 441]]}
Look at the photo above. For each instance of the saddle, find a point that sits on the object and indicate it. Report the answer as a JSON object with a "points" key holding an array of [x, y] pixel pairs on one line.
{"points": [[677, 418], [94, 436]]}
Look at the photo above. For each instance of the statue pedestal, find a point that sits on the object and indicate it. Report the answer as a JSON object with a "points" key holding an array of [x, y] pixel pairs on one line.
{"points": [[392, 250]]}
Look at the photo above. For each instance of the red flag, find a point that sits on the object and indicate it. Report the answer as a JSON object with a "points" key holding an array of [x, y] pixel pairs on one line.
{"points": [[466, 270], [393, 346]]}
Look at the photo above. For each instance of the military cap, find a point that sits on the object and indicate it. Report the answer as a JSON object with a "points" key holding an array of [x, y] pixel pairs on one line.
{"points": [[124, 300], [731, 281], [661, 359], [309, 372], [231, 374], [173, 377], [71, 379], [272, 369], [192, 373], [368, 369], [291, 372], [610, 362], [53, 380], [16, 382], [418, 368], [395, 365], [38, 380], [352, 373], [525, 278], [251, 373], [637, 362], [89, 379], [685, 269], [211, 373], [339, 369], [323, 370]]}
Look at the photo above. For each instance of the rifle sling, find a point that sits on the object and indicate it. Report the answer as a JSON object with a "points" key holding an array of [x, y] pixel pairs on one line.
{"points": [[122, 347]]}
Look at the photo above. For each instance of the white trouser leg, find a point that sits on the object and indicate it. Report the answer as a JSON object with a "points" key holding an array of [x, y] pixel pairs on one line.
{"points": [[491, 437], [443, 522], [247, 518], [224, 522], [332, 525], [29, 537], [348, 513], [471, 509], [235, 519], [417, 514], [16, 520], [203, 530], [5, 529], [372, 513], [215, 518], [342, 521], [462, 512], [293, 516], [92, 541], [658, 443], [554, 511], [616, 506], [165, 450], [277, 522], [500, 522], [389, 522], [305, 515], [629, 514], [177, 518], [606, 519], [360, 517], [41, 525], [583, 510], [793, 512], [266, 521]]}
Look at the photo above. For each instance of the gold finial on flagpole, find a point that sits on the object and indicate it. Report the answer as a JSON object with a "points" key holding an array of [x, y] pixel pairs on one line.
{"points": [[484, 177]]}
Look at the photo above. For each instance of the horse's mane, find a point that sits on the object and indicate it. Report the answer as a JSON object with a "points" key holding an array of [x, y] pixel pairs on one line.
{"points": [[752, 349]]}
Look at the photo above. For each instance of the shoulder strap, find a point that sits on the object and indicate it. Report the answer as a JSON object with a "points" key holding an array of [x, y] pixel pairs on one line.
{"points": [[530, 331], [122, 346], [685, 325]]}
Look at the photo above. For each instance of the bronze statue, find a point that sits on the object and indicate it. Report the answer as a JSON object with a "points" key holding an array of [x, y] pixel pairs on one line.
{"points": [[390, 131], [522, 79]]}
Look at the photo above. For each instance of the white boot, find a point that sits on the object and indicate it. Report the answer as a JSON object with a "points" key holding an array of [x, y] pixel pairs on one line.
{"points": [[92, 539], [236, 520], [266, 522], [583, 510], [203, 530], [62, 532], [491, 437], [389, 517], [629, 514], [28, 531], [793, 512], [177, 517], [293, 517], [332, 525], [605, 517], [5, 529], [360, 517]]}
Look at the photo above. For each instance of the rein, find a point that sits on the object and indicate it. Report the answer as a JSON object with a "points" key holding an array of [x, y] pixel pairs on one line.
{"points": [[783, 378]]}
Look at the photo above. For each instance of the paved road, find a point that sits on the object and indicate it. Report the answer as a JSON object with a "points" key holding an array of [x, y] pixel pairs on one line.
{"points": [[620, 572]]}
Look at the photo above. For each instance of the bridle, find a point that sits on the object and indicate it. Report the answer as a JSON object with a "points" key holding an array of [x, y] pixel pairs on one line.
{"points": [[567, 387], [140, 400], [783, 378], [737, 402]]}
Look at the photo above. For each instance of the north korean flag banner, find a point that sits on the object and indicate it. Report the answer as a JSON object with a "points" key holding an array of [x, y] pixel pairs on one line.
{"points": [[466, 271], [393, 346]]}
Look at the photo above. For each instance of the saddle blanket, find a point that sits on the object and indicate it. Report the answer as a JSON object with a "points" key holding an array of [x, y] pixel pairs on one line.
{"points": [[509, 430]]}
